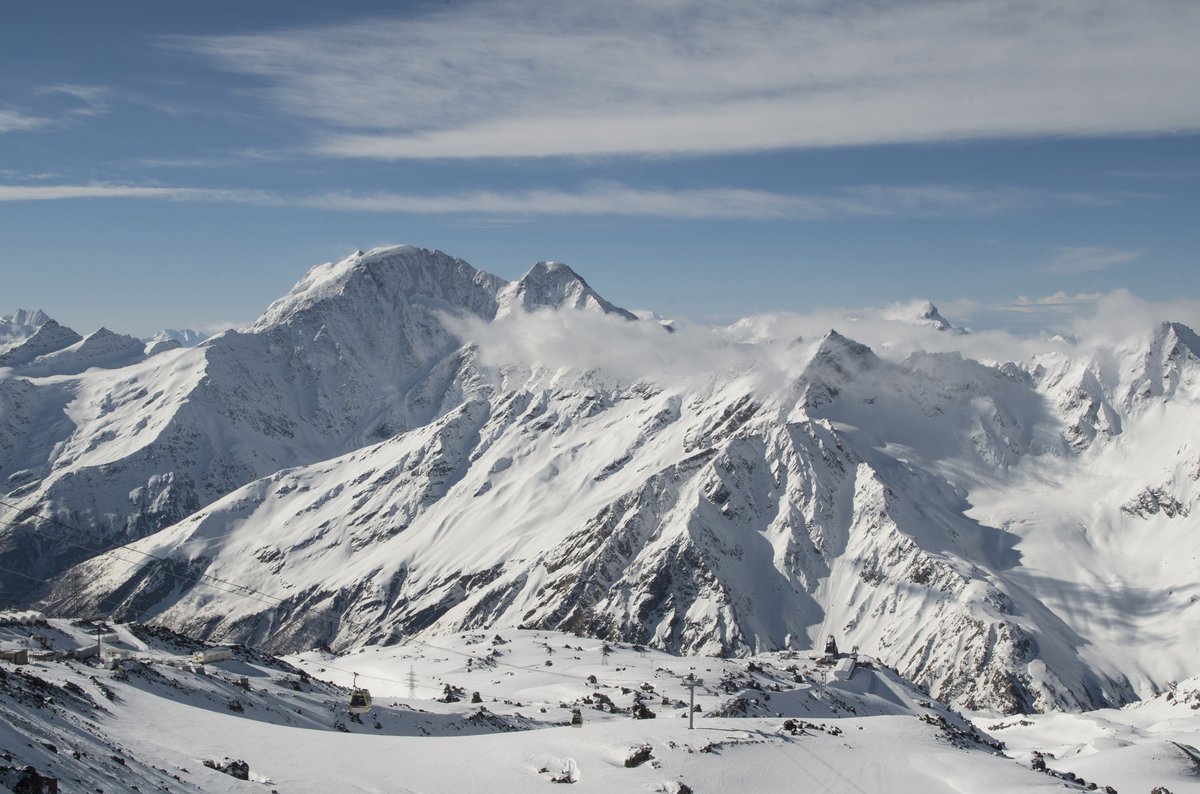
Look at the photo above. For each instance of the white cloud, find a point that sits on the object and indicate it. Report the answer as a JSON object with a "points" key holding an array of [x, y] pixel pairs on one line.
{"points": [[14, 121], [616, 199], [525, 78], [1116, 317], [104, 190], [611, 198], [93, 99], [1088, 259], [771, 346]]}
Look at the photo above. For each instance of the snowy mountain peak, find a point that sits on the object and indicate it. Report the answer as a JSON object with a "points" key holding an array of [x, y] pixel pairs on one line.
{"points": [[930, 316], [350, 457], [554, 285], [15, 328], [21, 324], [834, 344], [1167, 365], [46, 338], [1182, 341], [182, 337], [835, 361], [389, 277], [103, 348]]}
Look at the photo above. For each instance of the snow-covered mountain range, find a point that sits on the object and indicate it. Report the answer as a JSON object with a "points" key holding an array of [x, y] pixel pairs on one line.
{"points": [[404, 444]]}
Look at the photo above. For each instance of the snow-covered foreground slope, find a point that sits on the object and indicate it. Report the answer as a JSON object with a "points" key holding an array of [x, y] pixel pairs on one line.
{"points": [[405, 446], [1153, 743], [763, 724]]}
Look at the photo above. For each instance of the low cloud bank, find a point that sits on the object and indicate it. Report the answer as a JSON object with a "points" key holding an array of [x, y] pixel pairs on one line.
{"points": [[772, 347]]}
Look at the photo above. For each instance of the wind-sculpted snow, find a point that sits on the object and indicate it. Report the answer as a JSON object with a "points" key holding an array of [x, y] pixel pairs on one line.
{"points": [[371, 462]]}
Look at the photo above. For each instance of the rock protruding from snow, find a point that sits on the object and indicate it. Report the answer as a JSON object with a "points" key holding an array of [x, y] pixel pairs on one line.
{"points": [[554, 285]]}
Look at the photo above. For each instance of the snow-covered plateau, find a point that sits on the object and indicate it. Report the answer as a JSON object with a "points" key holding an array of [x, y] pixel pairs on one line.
{"points": [[495, 710], [405, 449]]}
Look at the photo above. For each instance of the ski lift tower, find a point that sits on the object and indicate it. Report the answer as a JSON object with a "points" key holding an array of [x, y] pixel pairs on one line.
{"points": [[691, 682]]}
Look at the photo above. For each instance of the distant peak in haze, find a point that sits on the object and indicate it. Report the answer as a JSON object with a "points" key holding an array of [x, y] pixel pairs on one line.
{"points": [[186, 337], [930, 316], [26, 344], [23, 318], [20, 325]]}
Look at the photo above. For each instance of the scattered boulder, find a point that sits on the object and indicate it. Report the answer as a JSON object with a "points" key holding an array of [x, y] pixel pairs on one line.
{"points": [[638, 756], [235, 768], [30, 782]]}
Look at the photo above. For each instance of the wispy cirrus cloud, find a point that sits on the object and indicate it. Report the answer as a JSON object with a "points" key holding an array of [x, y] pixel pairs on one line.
{"points": [[520, 78], [1069, 260], [116, 191], [614, 198], [16, 121], [92, 99], [617, 199], [1060, 299], [87, 101]]}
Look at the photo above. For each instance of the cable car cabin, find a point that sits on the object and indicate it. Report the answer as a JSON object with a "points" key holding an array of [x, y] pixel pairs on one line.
{"points": [[360, 701]]}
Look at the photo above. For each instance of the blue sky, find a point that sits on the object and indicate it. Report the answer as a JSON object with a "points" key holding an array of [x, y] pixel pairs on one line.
{"points": [[181, 165]]}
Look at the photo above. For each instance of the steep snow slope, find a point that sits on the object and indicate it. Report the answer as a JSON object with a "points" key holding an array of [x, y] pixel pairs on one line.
{"points": [[1137, 748], [355, 353], [985, 527], [698, 519]]}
